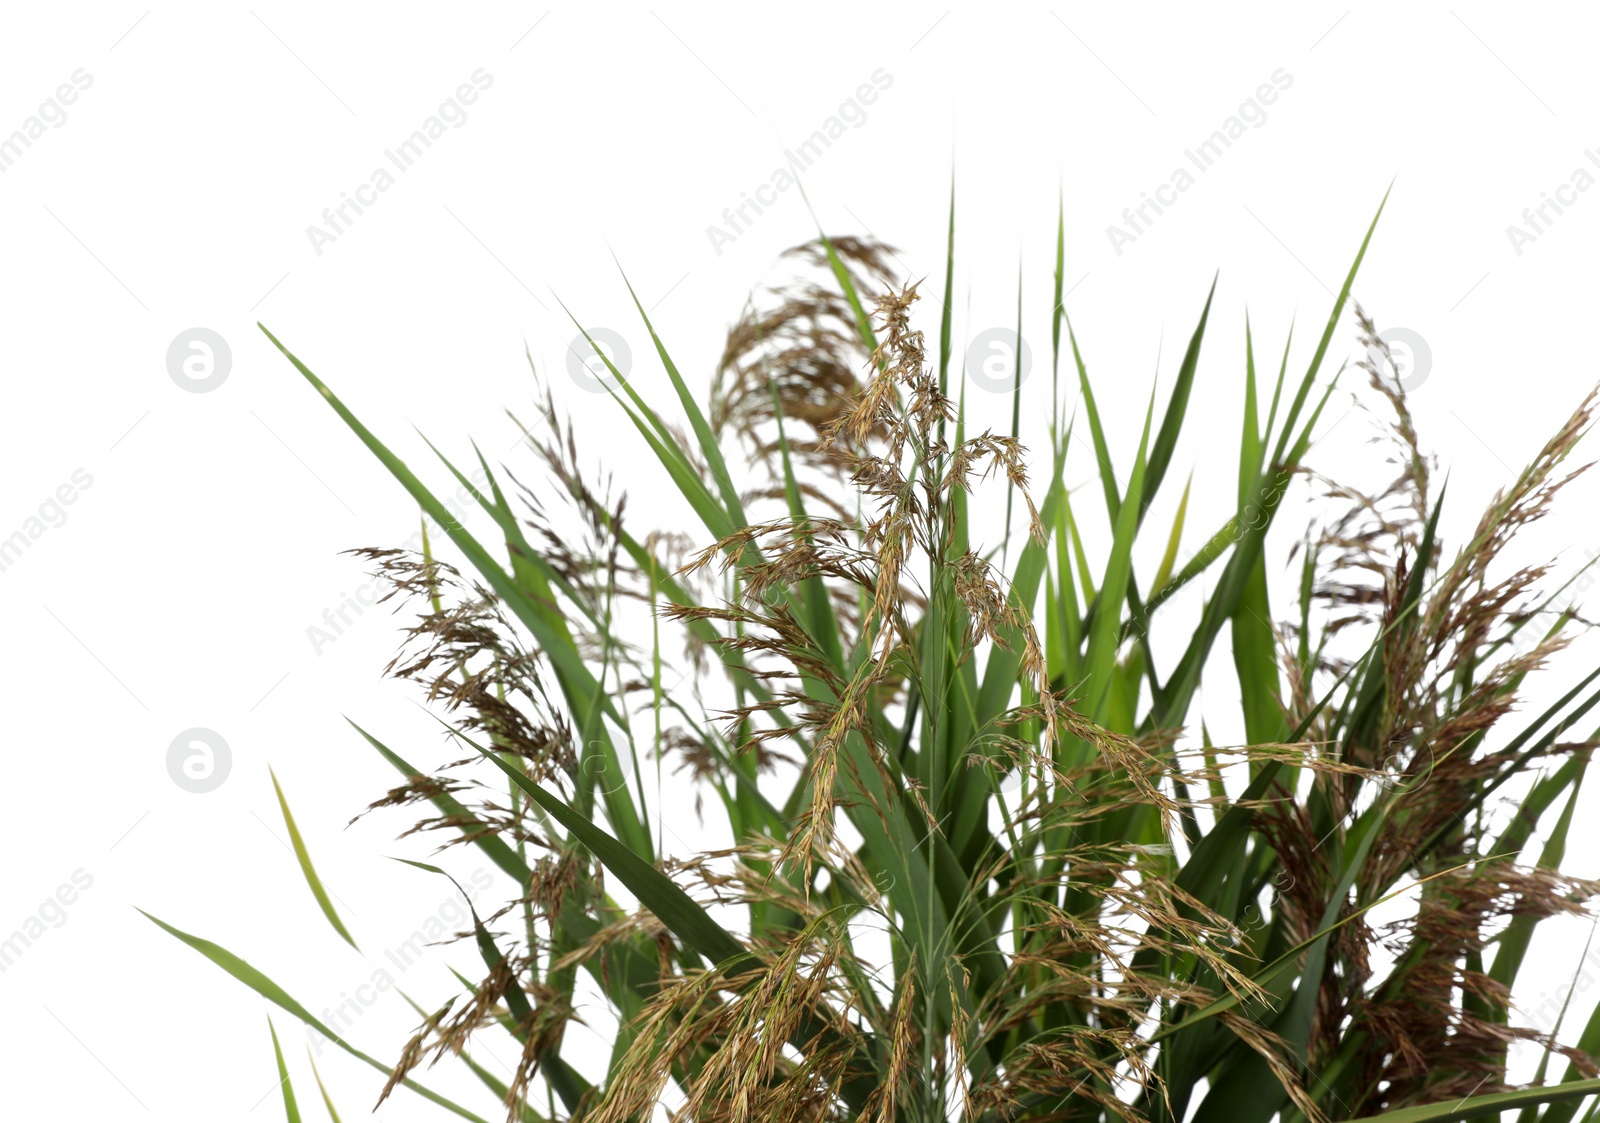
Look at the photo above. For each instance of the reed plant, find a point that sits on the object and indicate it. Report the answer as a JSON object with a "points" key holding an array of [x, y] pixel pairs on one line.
{"points": [[985, 862]]}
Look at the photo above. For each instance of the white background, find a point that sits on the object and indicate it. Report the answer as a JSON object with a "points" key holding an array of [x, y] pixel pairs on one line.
{"points": [[178, 192]]}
